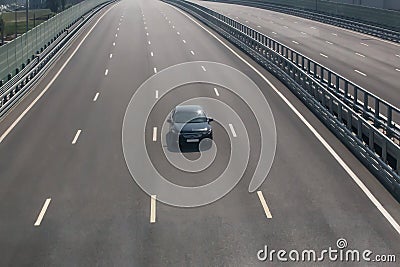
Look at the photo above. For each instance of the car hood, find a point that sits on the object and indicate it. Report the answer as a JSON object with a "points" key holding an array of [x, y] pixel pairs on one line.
{"points": [[192, 127]]}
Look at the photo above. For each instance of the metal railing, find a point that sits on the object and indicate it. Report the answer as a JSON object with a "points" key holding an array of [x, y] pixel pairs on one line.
{"points": [[18, 85], [340, 104], [339, 19], [15, 55]]}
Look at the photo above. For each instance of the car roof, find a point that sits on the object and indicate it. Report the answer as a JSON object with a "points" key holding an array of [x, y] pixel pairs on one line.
{"points": [[189, 108]]}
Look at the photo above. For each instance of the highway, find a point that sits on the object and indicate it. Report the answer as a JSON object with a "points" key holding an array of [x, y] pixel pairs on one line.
{"points": [[371, 63], [68, 197]]}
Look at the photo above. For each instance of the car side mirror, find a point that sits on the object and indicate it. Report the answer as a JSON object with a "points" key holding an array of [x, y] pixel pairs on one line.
{"points": [[210, 119], [169, 120]]}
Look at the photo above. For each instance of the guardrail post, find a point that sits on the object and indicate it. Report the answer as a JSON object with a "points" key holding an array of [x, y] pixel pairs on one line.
{"points": [[355, 96], [349, 120], [329, 79], [371, 139], [376, 117], [384, 151], [337, 86], [322, 75], [359, 128], [365, 106], [315, 70]]}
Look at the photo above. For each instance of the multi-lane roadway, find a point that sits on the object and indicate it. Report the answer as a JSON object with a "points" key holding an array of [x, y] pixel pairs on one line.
{"points": [[68, 198], [370, 62]]}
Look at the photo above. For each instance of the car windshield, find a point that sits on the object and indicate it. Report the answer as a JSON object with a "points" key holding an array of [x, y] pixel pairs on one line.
{"points": [[189, 117]]}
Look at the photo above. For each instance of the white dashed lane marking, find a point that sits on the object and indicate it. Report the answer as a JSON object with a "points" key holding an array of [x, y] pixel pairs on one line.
{"points": [[264, 205], [154, 134], [95, 97], [232, 130], [78, 133], [42, 212], [362, 73], [153, 208]]}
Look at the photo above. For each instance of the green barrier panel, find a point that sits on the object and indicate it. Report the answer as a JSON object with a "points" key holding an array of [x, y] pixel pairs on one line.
{"points": [[17, 52]]}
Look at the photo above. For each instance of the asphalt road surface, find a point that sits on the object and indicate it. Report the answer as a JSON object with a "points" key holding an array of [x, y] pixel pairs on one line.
{"points": [[67, 197], [372, 63]]}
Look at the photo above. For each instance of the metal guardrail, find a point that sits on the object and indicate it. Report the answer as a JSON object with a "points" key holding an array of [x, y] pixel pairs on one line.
{"points": [[308, 80], [15, 54], [338, 21], [383, 114], [17, 86]]}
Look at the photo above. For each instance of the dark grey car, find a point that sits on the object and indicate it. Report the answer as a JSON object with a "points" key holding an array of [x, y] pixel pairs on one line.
{"points": [[190, 124]]}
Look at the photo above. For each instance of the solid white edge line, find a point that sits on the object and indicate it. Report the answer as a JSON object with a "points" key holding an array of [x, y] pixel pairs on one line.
{"points": [[9, 129], [154, 134], [95, 97], [153, 208], [78, 133], [355, 178], [216, 91], [264, 205], [42, 212], [232, 130], [362, 73]]}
